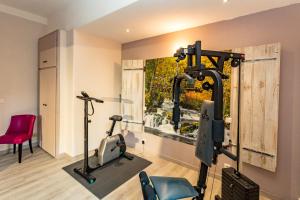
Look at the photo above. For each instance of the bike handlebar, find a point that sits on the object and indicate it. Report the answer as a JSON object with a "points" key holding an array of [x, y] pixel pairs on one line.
{"points": [[86, 97]]}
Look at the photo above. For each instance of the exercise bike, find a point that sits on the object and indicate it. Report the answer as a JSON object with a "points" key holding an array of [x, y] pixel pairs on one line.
{"points": [[111, 147]]}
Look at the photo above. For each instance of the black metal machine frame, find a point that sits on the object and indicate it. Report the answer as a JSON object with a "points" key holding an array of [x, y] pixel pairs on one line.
{"points": [[197, 71], [87, 169]]}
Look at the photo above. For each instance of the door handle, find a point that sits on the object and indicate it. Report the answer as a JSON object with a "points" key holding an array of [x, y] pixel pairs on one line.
{"points": [[45, 61], [44, 104]]}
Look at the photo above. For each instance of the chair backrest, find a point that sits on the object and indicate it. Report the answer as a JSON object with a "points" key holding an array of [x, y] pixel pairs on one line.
{"points": [[21, 124]]}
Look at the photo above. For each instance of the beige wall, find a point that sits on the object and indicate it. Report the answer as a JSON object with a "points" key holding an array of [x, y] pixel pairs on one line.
{"points": [[65, 90], [279, 25], [18, 68], [96, 70]]}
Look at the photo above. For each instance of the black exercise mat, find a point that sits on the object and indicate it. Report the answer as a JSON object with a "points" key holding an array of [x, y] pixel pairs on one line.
{"points": [[111, 175]]}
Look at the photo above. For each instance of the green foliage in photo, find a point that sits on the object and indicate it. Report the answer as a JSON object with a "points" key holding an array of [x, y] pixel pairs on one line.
{"points": [[159, 82]]}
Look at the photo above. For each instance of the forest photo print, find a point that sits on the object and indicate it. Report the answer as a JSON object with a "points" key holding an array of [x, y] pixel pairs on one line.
{"points": [[159, 75]]}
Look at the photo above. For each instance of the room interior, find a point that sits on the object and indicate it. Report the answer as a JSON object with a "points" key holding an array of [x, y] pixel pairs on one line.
{"points": [[85, 82]]}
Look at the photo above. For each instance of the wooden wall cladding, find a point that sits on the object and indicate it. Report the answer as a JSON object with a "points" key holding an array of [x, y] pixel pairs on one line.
{"points": [[133, 106], [259, 105]]}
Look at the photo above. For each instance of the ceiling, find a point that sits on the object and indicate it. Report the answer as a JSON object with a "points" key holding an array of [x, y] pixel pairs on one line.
{"points": [[42, 8], [147, 18], [143, 18]]}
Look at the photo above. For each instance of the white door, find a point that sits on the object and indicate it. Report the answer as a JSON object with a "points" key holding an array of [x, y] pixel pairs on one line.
{"points": [[47, 107]]}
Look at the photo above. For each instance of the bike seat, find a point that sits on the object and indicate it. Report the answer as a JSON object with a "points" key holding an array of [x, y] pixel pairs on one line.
{"points": [[116, 118]]}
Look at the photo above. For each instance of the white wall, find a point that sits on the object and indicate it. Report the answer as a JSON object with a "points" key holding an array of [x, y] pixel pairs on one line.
{"points": [[65, 81], [96, 70], [18, 68]]}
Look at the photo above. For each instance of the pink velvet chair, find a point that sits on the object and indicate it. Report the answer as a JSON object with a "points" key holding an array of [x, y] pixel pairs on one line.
{"points": [[19, 131]]}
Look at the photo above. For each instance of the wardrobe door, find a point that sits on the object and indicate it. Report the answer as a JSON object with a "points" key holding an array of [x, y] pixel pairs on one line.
{"points": [[47, 101], [48, 50], [48, 58]]}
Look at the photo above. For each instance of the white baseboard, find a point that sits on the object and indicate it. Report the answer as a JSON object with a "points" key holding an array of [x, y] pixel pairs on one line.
{"points": [[63, 155], [185, 164]]}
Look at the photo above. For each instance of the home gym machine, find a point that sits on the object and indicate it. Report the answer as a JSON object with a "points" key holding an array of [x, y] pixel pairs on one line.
{"points": [[211, 130], [111, 147]]}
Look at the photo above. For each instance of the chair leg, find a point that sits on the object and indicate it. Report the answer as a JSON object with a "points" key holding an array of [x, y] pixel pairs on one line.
{"points": [[30, 146], [15, 148], [20, 152]]}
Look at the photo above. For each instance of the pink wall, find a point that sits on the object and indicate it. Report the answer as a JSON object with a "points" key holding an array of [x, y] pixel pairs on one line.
{"points": [[278, 25], [18, 69]]}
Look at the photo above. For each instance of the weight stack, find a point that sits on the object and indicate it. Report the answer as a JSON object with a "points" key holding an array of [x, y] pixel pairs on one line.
{"points": [[236, 186]]}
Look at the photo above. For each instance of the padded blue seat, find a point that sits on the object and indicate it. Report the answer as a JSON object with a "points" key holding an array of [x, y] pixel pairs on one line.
{"points": [[171, 188]]}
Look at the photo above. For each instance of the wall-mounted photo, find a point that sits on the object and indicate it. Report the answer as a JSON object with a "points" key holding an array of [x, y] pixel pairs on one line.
{"points": [[159, 77]]}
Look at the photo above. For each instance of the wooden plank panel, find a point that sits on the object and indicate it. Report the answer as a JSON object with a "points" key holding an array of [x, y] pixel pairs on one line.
{"points": [[133, 90], [272, 109], [259, 107], [265, 52], [234, 104], [246, 105], [259, 97], [259, 160], [234, 101]]}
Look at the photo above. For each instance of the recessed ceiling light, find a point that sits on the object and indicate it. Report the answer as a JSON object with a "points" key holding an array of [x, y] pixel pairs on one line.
{"points": [[225, 1], [127, 30]]}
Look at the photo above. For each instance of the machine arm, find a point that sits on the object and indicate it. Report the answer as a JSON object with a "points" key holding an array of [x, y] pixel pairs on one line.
{"points": [[176, 98]]}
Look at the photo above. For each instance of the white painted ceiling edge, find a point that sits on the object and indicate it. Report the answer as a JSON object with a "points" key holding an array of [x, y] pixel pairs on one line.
{"points": [[42, 8], [23, 14], [148, 18]]}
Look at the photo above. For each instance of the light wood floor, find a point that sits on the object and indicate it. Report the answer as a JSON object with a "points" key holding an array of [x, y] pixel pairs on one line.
{"points": [[41, 177]]}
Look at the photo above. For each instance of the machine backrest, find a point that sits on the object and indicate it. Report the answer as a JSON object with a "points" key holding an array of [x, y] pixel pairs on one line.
{"points": [[147, 189], [205, 143]]}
